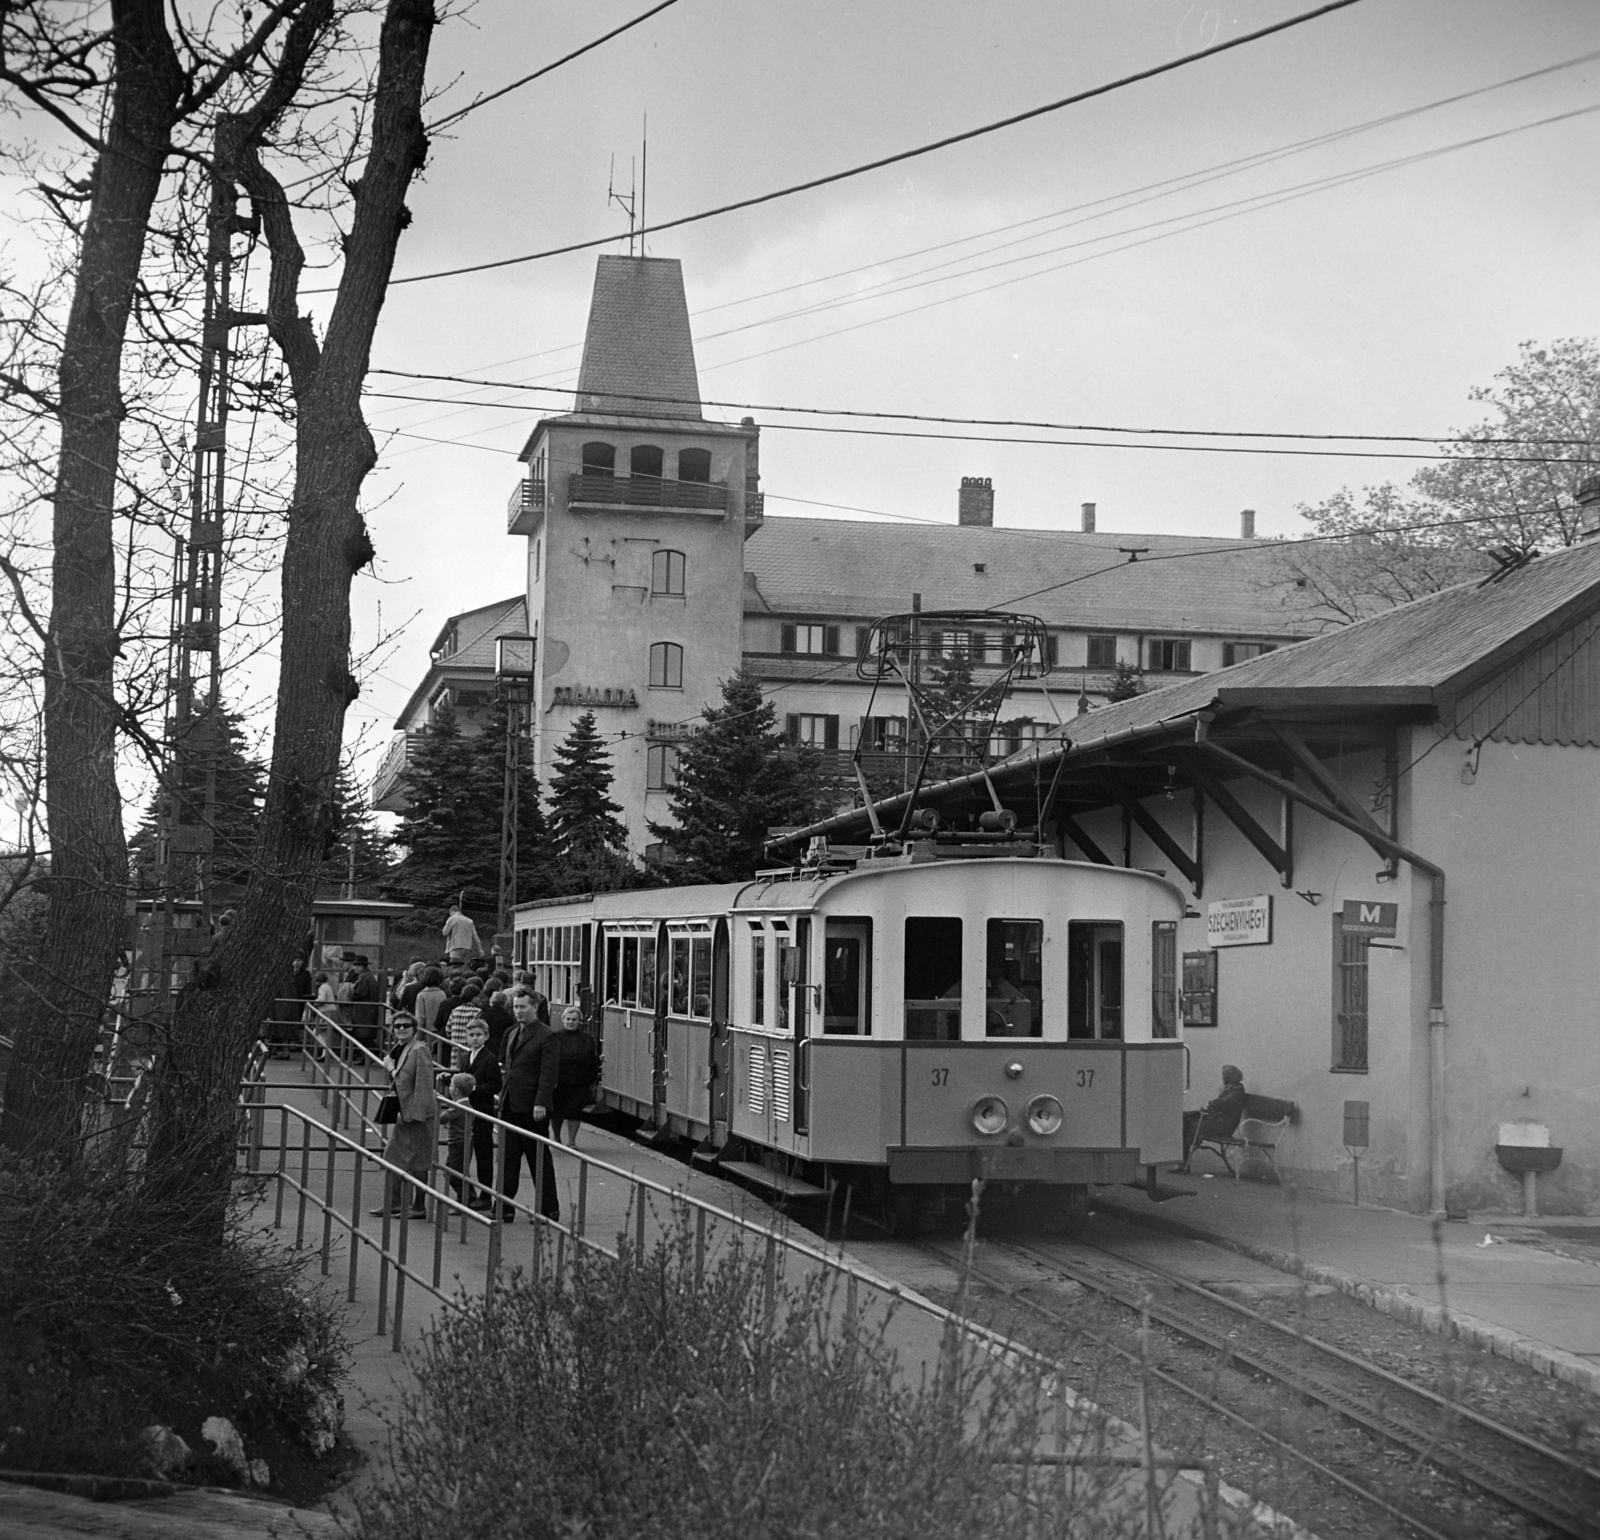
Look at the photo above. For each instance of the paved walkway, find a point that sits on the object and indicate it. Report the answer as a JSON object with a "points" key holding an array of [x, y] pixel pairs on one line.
{"points": [[1526, 1289]]}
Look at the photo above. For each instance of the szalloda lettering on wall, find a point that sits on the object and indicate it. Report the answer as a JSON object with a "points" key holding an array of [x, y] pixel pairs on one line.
{"points": [[594, 695]]}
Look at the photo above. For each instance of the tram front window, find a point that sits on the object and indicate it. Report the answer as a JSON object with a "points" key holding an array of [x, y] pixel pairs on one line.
{"points": [[933, 980], [1014, 989], [1094, 979]]}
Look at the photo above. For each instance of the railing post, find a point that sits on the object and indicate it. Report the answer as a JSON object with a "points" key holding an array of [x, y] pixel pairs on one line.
{"points": [[400, 1272], [327, 1207], [496, 1211], [638, 1224], [770, 1283], [441, 1222], [580, 1224], [305, 1183], [469, 1162], [356, 1232], [383, 1252], [283, 1163], [699, 1247]]}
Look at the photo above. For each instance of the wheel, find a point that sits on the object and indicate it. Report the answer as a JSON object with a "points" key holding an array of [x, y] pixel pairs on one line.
{"points": [[1065, 1209]]}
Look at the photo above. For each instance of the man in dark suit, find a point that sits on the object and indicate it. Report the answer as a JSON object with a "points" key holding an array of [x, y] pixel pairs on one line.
{"points": [[531, 1060]]}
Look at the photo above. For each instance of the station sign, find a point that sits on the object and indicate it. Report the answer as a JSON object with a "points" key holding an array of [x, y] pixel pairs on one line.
{"points": [[1240, 921], [1360, 918]]}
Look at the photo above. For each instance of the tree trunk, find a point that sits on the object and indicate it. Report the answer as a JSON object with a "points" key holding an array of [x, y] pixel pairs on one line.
{"points": [[88, 853], [217, 1017]]}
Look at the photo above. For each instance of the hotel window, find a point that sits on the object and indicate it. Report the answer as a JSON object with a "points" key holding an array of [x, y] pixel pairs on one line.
{"points": [[1238, 652], [694, 465], [645, 460], [1052, 649], [661, 767], [883, 735], [1102, 652], [814, 728], [1350, 956], [666, 573], [666, 666], [599, 459], [1168, 655], [816, 640]]}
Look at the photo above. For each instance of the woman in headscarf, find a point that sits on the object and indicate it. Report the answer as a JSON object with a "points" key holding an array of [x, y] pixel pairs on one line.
{"points": [[415, 1133]]}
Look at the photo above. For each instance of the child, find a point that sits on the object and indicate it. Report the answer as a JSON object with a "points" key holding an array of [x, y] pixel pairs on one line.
{"points": [[454, 1118]]}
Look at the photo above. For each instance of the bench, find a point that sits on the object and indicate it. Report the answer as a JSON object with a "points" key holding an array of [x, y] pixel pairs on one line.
{"points": [[1263, 1124]]}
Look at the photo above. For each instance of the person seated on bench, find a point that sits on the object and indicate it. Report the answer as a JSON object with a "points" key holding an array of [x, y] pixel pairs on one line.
{"points": [[1220, 1116]]}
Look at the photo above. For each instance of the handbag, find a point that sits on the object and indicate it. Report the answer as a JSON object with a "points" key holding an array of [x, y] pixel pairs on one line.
{"points": [[388, 1110]]}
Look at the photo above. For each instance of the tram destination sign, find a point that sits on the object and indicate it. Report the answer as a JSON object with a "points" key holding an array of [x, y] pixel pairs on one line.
{"points": [[1240, 921], [1360, 918]]}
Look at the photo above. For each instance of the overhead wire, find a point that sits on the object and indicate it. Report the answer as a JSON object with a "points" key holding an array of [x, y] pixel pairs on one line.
{"points": [[899, 157]]}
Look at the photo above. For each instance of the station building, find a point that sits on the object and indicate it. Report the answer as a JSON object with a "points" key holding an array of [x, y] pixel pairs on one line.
{"points": [[1387, 840], [652, 573]]}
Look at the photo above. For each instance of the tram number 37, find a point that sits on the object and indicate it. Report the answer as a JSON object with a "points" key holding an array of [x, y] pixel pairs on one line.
{"points": [[941, 1076]]}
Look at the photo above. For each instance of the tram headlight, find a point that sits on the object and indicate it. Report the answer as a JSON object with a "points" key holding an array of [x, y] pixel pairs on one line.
{"points": [[1044, 1115], [990, 1115]]}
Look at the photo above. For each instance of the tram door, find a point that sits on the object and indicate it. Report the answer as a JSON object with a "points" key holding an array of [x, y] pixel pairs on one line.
{"points": [[800, 1015], [719, 1070], [658, 1032]]}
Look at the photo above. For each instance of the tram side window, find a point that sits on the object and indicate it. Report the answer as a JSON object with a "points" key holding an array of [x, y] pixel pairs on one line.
{"points": [[1094, 979], [933, 979], [758, 980], [1164, 978], [613, 970], [700, 979], [647, 973], [846, 978], [678, 1001], [630, 970], [1014, 991]]}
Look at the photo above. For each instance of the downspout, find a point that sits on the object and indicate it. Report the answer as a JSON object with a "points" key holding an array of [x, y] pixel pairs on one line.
{"points": [[1437, 1021]]}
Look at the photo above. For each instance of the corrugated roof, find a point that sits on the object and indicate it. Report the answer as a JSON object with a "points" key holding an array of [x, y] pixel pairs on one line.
{"points": [[638, 341], [854, 569]]}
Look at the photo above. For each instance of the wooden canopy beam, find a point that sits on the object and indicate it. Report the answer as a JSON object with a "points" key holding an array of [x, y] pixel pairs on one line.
{"points": [[1075, 832], [1164, 842], [1279, 857]]}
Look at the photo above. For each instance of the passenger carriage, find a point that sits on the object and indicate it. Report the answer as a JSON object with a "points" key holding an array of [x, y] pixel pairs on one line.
{"points": [[904, 1024]]}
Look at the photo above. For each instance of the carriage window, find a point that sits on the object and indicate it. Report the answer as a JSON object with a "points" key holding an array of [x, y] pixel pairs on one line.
{"points": [[613, 969], [758, 979], [1094, 980], [933, 980], [700, 979], [679, 1000], [1014, 991], [630, 971], [1164, 978], [846, 978], [647, 973]]}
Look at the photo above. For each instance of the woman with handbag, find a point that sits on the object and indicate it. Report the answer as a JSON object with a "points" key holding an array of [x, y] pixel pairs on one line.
{"points": [[413, 1107]]}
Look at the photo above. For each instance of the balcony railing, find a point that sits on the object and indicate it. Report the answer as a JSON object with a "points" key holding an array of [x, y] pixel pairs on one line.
{"points": [[589, 491], [388, 784], [525, 507]]}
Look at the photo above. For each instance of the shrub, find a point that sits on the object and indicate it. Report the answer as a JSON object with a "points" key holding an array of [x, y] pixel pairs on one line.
{"points": [[121, 1308], [629, 1401]]}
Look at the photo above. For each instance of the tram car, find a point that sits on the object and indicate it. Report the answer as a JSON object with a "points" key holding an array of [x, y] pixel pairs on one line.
{"points": [[903, 1024]]}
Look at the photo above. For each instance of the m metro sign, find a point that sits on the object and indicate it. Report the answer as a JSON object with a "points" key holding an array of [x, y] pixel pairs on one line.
{"points": [[1240, 921], [1359, 918]]}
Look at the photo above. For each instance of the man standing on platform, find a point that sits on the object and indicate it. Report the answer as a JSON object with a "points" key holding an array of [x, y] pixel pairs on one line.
{"points": [[460, 936], [531, 1060]]}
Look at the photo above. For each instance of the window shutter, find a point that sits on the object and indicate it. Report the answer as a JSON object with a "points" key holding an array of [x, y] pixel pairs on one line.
{"points": [[1052, 649], [830, 734], [791, 725], [787, 645], [830, 639]]}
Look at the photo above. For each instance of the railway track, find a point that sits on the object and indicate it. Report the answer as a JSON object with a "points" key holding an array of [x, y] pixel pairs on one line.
{"points": [[1523, 1475]]}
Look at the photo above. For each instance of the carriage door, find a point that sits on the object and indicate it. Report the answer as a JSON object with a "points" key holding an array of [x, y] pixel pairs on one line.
{"points": [[720, 1068], [801, 1017]]}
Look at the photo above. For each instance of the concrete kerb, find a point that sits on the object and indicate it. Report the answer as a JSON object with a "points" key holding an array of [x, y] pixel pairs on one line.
{"points": [[1401, 1304]]}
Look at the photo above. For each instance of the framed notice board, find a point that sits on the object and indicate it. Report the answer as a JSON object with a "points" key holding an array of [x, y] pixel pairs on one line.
{"points": [[1198, 998]]}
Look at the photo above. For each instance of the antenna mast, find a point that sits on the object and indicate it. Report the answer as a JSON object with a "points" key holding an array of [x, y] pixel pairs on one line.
{"points": [[626, 203]]}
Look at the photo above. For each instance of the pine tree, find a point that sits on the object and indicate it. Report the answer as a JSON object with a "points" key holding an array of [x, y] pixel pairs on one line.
{"points": [[957, 712], [440, 792], [737, 777], [1127, 682], [358, 835], [583, 819]]}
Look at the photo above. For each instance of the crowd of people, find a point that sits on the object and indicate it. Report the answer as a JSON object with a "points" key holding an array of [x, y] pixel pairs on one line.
{"points": [[470, 1041]]}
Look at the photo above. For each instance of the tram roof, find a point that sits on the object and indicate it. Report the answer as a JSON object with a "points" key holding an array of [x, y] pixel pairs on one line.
{"points": [[1345, 690]]}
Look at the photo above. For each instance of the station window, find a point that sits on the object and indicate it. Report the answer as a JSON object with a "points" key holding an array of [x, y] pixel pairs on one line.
{"points": [[1014, 979], [645, 460], [1169, 655], [666, 666], [1094, 979], [599, 459], [1350, 954], [1102, 652], [1239, 652], [666, 573], [933, 979], [1164, 978], [694, 465], [661, 767], [818, 640], [847, 978]]}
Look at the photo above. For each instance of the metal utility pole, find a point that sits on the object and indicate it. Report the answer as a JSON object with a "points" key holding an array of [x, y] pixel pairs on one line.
{"points": [[513, 667]]}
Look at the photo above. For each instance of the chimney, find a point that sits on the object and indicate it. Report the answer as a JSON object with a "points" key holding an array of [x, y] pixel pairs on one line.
{"points": [[1088, 518], [976, 504], [1589, 508], [1247, 524]]}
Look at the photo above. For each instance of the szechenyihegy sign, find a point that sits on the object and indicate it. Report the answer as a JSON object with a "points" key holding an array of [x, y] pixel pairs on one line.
{"points": [[593, 695], [1240, 921]]}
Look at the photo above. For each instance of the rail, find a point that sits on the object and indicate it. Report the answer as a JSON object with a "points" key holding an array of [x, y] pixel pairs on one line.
{"points": [[332, 1057]]}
